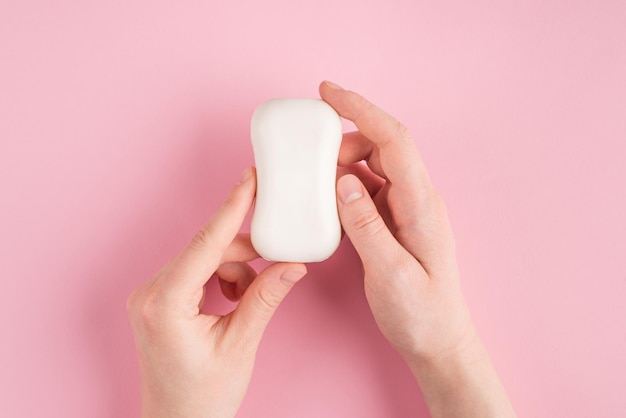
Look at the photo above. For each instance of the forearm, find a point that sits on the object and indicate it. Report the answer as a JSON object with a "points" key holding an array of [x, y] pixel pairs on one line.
{"points": [[462, 383]]}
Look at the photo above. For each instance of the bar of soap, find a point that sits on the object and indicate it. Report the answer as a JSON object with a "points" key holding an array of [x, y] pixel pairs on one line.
{"points": [[296, 145]]}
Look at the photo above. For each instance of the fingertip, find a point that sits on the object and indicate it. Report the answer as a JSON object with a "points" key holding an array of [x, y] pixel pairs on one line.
{"points": [[245, 175], [349, 189], [326, 87], [246, 185], [291, 276], [332, 86]]}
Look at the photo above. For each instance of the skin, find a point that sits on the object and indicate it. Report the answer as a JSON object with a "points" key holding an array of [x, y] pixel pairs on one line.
{"points": [[398, 224], [198, 365]]}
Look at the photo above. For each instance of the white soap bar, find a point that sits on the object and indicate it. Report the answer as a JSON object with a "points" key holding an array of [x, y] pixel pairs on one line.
{"points": [[296, 145]]}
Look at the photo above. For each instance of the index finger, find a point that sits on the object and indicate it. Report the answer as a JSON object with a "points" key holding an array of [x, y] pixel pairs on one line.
{"points": [[399, 158], [196, 263]]}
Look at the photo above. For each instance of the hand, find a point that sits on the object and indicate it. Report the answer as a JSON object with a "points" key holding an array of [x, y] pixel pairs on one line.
{"points": [[401, 233], [198, 365], [398, 224]]}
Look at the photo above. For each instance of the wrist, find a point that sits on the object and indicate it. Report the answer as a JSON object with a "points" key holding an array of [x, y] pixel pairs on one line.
{"points": [[461, 381], [452, 362], [187, 405], [182, 402]]}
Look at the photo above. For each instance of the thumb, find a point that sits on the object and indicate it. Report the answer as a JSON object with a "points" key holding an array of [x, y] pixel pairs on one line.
{"points": [[262, 298], [371, 238]]}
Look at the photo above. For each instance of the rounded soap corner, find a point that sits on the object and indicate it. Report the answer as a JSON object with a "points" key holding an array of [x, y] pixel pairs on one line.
{"points": [[332, 113], [267, 254], [325, 255], [258, 111]]}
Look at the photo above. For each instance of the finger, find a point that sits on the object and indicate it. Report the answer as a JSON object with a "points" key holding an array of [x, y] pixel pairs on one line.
{"points": [[195, 265], [377, 188], [377, 247], [371, 181], [356, 147], [202, 299], [234, 279], [262, 298], [240, 249], [399, 158]]}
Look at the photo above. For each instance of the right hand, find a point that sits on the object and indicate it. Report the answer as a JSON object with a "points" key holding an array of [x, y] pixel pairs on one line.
{"points": [[398, 224]]}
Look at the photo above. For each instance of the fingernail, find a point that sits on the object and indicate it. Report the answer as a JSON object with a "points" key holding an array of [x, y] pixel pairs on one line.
{"points": [[245, 175], [349, 188], [333, 85], [290, 277]]}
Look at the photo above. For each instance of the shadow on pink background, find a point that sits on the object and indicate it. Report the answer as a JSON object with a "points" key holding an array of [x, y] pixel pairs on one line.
{"points": [[123, 126]]}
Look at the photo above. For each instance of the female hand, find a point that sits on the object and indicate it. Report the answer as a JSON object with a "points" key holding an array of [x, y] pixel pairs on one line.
{"points": [[198, 365], [398, 224]]}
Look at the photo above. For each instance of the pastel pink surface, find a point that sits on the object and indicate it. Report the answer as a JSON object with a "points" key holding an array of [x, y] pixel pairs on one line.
{"points": [[122, 127]]}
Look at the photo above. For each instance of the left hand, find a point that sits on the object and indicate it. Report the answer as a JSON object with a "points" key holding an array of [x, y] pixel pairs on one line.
{"points": [[198, 365]]}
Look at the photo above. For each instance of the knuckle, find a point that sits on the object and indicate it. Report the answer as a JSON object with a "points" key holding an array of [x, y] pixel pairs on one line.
{"points": [[143, 309], [402, 130], [267, 300], [368, 223], [438, 205], [232, 199], [202, 239], [148, 311], [131, 301], [363, 107]]}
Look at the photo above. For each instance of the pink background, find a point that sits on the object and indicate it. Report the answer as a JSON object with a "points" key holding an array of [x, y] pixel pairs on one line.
{"points": [[123, 126]]}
